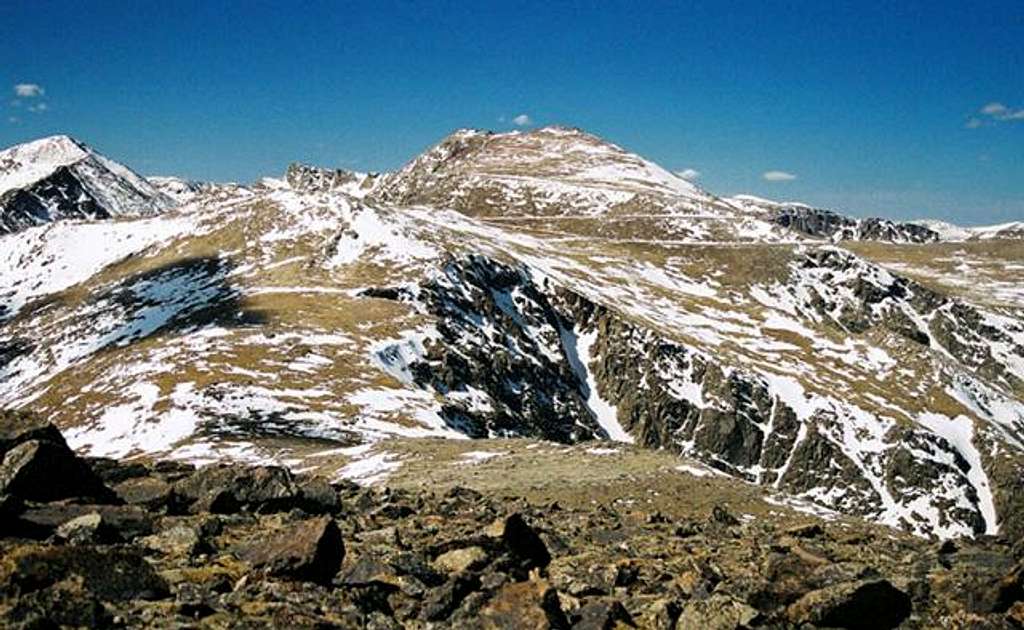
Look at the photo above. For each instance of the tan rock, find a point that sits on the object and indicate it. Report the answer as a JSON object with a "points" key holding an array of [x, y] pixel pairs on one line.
{"points": [[459, 560]]}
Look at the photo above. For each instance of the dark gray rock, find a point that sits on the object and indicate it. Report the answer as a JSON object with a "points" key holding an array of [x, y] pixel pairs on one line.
{"points": [[602, 614], [866, 605], [49, 471], [522, 542], [229, 488], [122, 522]]}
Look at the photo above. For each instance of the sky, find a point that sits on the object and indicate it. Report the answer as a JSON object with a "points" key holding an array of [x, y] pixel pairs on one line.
{"points": [[903, 110]]}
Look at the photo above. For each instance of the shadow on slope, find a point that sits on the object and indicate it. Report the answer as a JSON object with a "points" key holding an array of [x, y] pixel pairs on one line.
{"points": [[178, 297]]}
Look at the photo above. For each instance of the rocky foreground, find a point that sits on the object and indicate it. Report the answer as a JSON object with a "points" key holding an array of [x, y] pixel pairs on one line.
{"points": [[101, 543]]}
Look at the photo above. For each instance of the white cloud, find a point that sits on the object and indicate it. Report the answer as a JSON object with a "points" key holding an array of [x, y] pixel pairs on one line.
{"points": [[993, 109], [522, 120], [996, 112], [29, 90], [689, 174], [38, 107], [778, 176]]}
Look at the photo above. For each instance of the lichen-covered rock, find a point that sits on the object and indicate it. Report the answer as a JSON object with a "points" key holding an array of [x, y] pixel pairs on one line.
{"points": [[311, 551], [718, 612], [459, 560], [528, 605], [110, 573], [87, 529]]}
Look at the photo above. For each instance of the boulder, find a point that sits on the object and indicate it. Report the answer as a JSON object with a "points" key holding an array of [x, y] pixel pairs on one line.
{"points": [[370, 572], [459, 560], [64, 604], [524, 605], [86, 529], [443, 600], [113, 471], [38, 470], [311, 551], [857, 605], [521, 540], [179, 540], [123, 522], [662, 614], [229, 488], [722, 516], [18, 427], [112, 574], [317, 496], [998, 594], [602, 614], [151, 493], [718, 612]]}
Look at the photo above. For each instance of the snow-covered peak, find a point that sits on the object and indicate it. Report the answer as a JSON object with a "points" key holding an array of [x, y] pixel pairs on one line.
{"points": [[26, 163], [59, 178]]}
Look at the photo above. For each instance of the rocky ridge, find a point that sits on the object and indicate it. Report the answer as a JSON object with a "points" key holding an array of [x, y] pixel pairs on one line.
{"points": [[832, 226]]}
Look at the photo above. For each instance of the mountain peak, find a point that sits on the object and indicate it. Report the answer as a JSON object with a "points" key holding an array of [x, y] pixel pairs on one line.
{"points": [[25, 163], [59, 177], [549, 170]]}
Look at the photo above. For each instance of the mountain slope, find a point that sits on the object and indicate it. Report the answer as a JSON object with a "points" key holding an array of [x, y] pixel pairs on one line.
{"points": [[306, 320], [60, 178]]}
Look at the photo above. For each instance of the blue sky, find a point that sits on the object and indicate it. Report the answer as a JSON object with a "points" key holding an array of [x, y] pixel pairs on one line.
{"points": [[874, 110]]}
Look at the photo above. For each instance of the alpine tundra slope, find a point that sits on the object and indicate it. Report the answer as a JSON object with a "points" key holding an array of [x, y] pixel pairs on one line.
{"points": [[545, 285]]}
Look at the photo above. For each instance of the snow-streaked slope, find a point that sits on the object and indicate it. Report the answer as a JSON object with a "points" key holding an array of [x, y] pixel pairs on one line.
{"points": [[955, 233], [552, 170], [48, 259]]}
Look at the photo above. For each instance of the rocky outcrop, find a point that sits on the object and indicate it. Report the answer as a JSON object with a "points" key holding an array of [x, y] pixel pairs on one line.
{"points": [[395, 559], [315, 179], [522, 365], [832, 226], [37, 465]]}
